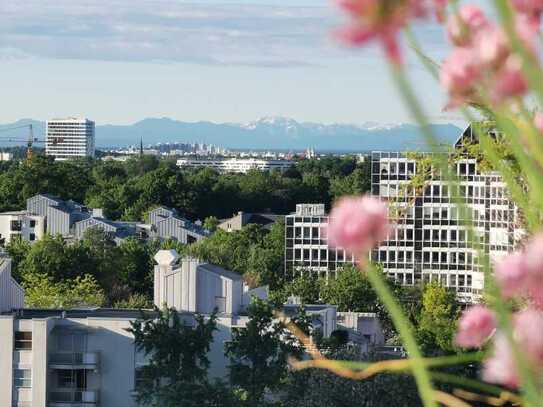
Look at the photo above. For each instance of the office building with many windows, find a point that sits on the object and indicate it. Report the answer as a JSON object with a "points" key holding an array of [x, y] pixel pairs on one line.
{"points": [[429, 239], [306, 246], [70, 138]]}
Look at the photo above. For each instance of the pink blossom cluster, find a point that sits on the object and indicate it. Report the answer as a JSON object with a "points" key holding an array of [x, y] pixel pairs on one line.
{"points": [[519, 275], [382, 20], [357, 223], [483, 57]]}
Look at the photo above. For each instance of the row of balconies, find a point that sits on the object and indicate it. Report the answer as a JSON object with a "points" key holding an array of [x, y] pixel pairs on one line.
{"points": [[71, 360], [73, 398]]}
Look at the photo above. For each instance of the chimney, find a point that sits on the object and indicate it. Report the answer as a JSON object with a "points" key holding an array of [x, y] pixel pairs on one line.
{"points": [[165, 261]]}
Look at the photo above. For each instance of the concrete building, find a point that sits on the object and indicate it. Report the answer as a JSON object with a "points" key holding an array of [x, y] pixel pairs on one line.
{"points": [[364, 329], [12, 295], [323, 316], [306, 247], [60, 215], [241, 219], [430, 241], [21, 224], [235, 165], [115, 229], [87, 357], [165, 223], [6, 156], [70, 138]]}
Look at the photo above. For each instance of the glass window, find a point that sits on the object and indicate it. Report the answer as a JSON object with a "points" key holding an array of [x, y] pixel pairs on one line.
{"points": [[426, 234], [392, 256], [32, 223], [65, 379], [22, 378], [426, 257], [23, 340]]}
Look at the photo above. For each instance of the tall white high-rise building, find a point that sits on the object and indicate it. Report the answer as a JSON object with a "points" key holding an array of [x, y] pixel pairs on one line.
{"points": [[69, 138]]}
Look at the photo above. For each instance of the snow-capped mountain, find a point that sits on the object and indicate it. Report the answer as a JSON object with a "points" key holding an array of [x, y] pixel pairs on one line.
{"points": [[265, 133]]}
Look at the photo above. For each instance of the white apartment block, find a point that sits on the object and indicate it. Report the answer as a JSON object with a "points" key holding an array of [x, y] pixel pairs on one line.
{"points": [[21, 224], [70, 138], [235, 165], [87, 357], [306, 247], [429, 241]]}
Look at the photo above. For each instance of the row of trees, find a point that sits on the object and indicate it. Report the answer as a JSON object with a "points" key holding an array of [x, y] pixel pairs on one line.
{"points": [[128, 190]]}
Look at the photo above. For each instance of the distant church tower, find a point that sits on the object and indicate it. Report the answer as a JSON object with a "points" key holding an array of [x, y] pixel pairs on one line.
{"points": [[141, 146]]}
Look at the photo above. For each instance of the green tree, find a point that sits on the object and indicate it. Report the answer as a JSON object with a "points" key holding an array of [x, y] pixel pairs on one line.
{"points": [[258, 352], [437, 319], [350, 291], [176, 373], [18, 250], [306, 286], [211, 223], [42, 292]]}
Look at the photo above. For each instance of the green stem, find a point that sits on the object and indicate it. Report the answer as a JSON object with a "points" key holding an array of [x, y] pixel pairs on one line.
{"points": [[405, 330]]}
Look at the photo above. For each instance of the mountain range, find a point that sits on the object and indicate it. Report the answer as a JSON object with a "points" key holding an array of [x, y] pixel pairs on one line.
{"points": [[265, 133]]}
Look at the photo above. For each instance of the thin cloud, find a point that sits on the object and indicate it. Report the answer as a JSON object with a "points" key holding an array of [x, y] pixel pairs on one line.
{"points": [[252, 34]]}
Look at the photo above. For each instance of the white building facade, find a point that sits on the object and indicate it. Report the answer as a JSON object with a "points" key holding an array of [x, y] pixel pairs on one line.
{"points": [[306, 246], [236, 165], [429, 240], [70, 138], [21, 224]]}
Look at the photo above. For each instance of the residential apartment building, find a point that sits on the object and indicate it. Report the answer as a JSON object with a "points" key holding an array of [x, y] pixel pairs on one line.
{"points": [[306, 246], [20, 224], [241, 219], [70, 138], [165, 223], [235, 165], [429, 240], [60, 215]]}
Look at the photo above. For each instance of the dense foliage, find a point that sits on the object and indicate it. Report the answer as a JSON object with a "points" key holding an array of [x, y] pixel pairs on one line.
{"points": [[128, 190], [176, 370]]}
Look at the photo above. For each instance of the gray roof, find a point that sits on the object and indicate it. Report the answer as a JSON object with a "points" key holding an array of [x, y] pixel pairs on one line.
{"points": [[30, 313], [220, 271]]}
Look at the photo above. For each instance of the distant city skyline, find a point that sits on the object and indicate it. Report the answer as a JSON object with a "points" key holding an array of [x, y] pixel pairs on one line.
{"points": [[214, 60]]}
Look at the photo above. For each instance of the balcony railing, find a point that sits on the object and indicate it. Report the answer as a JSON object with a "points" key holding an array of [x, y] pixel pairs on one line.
{"points": [[73, 398], [67, 360]]}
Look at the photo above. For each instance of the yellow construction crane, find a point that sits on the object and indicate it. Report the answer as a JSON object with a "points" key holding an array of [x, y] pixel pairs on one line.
{"points": [[30, 140]]}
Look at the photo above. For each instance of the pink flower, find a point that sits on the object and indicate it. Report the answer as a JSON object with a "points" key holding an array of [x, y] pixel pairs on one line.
{"points": [[492, 46], [460, 72], [509, 81], [475, 326], [528, 326], [379, 20], [529, 7], [500, 367], [357, 223], [534, 265], [511, 274], [462, 27], [538, 121]]}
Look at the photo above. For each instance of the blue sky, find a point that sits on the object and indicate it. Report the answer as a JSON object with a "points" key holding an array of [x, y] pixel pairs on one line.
{"points": [[119, 61]]}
